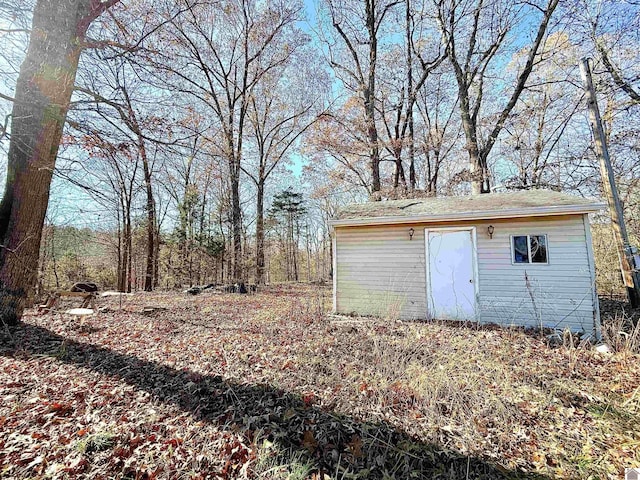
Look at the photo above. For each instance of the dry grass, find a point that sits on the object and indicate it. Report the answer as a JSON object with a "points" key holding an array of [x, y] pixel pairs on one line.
{"points": [[620, 327], [268, 386]]}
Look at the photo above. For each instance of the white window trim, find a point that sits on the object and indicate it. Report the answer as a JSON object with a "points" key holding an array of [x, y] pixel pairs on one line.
{"points": [[528, 235]]}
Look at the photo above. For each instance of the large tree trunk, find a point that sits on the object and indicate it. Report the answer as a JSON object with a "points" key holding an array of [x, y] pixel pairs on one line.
{"points": [[43, 93], [477, 168]]}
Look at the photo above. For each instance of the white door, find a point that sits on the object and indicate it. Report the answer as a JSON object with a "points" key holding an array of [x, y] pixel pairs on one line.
{"points": [[451, 280]]}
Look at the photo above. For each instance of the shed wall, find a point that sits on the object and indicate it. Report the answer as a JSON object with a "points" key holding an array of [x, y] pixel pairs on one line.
{"points": [[381, 272]]}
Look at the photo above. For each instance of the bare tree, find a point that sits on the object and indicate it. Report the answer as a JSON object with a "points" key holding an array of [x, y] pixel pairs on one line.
{"points": [[218, 56], [399, 102], [438, 130], [354, 58], [16, 17], [475, 32], [338, 145], [543, 134], [123, 105], [282, 110], [613, 29]]}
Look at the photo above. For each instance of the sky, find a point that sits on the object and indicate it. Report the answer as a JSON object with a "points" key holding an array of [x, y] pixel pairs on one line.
{"points": [[70, 204], [73, 204]]}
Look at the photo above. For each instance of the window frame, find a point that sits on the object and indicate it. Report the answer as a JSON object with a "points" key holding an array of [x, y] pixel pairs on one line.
{"points": [[528, 235]]}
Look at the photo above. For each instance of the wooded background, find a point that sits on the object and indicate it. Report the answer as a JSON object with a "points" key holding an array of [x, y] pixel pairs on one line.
{"points": [[211, 141]]}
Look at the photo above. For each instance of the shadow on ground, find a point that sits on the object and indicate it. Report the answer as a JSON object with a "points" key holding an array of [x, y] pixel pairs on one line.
{"points": [[383, 451], [612, 307]]}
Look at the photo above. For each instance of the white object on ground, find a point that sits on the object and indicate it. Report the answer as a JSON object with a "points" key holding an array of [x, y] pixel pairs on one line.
{"points": [[603, 348], [80, 312]]}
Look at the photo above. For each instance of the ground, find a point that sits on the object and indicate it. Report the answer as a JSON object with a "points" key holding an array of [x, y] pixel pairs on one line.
{"points": [[269, 386]]}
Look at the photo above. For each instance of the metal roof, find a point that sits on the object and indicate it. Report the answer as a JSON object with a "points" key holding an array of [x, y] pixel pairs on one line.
{"points": [[471, 207]]}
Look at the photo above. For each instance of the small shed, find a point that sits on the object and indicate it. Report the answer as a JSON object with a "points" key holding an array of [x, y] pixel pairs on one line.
{"points": [[520, 258]]}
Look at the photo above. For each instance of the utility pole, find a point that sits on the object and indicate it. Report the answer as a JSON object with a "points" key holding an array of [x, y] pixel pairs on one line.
{"points": [[630, 275]]}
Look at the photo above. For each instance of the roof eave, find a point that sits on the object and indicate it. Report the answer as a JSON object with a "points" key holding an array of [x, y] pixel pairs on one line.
{"points": [[480, 215]]}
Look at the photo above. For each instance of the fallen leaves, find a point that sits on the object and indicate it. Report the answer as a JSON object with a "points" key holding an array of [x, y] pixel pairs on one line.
{"points": [[309, 440], [263, 386]]}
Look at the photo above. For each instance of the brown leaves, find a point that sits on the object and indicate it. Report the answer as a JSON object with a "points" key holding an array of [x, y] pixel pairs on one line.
{"points": [[60, 408], [308, 399], [309, 441], [230, 387], [355, 447]]}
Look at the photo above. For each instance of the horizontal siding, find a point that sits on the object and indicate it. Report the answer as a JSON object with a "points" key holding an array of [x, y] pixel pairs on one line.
{"points": [[561, 289], [381, 272]]}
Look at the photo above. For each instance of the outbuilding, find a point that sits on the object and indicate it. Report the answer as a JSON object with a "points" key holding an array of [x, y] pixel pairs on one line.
{"points": [[521, 258]]}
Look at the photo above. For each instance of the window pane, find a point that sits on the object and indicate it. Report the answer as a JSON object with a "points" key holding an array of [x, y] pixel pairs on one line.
{"points": [[538, 248], [520, 249]]}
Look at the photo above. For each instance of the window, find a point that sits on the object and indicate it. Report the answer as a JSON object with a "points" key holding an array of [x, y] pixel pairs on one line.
{"points": [[529, 248]]}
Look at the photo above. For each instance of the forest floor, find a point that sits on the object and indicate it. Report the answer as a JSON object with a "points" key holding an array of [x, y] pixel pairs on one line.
{"points": [[269, 386]]}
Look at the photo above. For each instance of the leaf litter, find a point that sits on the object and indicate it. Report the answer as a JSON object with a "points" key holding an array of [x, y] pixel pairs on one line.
{"points": [[224, 386]]}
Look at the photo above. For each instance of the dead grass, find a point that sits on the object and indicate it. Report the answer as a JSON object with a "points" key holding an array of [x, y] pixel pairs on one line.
{"points": [[267, 386], [620, 326]]}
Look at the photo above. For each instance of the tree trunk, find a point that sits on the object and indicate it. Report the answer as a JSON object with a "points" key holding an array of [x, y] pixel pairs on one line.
{"points": [[156, 258], [477, 168], [432, 187], [372, 137], [260, 234], [53, 258], [122, 255], [42, 96], [399, 176], [294, 248], [124, 247], [224, 246], [236, 222], [120, 263], [370, 97], [151, 218], [410, 97], [129, 248], [308, 244]]}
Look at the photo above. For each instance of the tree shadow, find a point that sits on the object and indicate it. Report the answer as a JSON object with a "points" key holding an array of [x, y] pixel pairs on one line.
{"points": [[337, 442]]}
